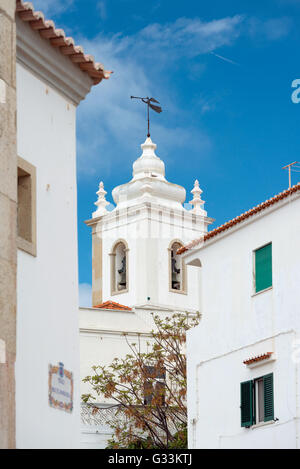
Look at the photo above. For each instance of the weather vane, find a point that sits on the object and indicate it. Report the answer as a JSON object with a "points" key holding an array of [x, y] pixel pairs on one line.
{"points": [[149, 102]]}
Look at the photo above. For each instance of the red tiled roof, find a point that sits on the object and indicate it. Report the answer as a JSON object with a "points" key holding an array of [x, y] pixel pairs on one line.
{"points": [[240, 218], [113, 305], [58, 39], [259, 358]]}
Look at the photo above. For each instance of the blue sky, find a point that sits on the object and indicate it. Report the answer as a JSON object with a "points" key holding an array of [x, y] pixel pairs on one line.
{"points": [[222, 71]]}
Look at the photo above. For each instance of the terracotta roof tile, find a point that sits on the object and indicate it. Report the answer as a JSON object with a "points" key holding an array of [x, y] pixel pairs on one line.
{"points": [[240, 218], [113, 305], [259, 358], [57, 38]]}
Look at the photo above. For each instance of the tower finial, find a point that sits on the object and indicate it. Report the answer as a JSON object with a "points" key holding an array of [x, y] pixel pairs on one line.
{"points": [[148, 101], [197, 201], [101, 203]]}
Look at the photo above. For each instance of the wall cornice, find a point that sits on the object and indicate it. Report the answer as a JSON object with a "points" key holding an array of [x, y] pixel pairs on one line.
{"points": [[145, 207], [35, 53]]}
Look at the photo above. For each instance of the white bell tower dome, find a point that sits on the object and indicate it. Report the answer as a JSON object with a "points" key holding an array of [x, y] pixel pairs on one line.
{"points": [[149, 182], [134, 245]]}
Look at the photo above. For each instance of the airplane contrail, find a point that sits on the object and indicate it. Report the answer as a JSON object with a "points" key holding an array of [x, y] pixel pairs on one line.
{"points": [[224, 58]]}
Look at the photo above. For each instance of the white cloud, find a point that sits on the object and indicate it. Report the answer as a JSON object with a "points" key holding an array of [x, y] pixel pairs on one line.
{"points": [[277, 28], [271, 29], [52, 7], [184, 37], [85, 295], [101, 7], [144, 64], [110, 125]]}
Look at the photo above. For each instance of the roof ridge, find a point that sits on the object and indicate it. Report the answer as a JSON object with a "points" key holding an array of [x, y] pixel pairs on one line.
{"points": [[58, 39], [238, 219]]}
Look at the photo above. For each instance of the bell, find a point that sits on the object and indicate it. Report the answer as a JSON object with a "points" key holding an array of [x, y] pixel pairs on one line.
{"points": [[175, 271], [122, 272]]}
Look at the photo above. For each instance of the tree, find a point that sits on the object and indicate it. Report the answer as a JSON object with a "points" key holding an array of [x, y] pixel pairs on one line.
{"points": [[148, 388]]}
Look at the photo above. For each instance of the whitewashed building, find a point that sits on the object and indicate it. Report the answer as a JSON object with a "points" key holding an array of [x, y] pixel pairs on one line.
{"points": [[135, 263], [52, 77], [135, 245], [243, 357]]}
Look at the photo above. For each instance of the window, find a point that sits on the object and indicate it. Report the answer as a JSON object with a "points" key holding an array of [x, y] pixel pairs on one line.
{"points": [[26, 207], [119, 268], [177, 269], [257, 401], [154, 385], [263, 268]]}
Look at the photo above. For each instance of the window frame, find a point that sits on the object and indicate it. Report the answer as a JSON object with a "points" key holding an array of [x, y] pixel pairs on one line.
{"points": [[253, 402], [256, 399], [255, 291], [28, 170]]}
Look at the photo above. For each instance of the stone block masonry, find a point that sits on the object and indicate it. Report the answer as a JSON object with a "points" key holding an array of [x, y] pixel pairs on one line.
{"points": [[8, 225]]}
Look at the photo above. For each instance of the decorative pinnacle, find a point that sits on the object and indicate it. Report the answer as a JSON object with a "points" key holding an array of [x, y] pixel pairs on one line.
{"points": [[101, 203], [197, 201]]}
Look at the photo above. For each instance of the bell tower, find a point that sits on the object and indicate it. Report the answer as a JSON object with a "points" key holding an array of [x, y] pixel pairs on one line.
{"points": [[135, 245]]}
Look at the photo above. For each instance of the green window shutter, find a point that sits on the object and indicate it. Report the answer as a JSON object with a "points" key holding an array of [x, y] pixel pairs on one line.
{"points": [[268, 397], [263, 268], [247, 403]]}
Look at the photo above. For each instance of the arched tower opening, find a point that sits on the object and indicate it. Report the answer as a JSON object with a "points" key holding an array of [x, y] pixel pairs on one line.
{"points": [[119, 268], [177, 269]]}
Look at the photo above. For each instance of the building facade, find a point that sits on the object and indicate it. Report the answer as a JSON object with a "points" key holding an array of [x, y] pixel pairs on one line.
{"points": [[102, 338], [139, 238], [135, 263], [52, 76], [243, 357]]}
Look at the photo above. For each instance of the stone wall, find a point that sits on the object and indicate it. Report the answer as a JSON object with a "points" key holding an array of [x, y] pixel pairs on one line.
{"points": [[8, 223]]}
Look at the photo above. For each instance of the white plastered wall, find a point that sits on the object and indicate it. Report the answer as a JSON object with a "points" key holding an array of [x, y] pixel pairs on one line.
{"points": [[47, 318], [237, 325]]}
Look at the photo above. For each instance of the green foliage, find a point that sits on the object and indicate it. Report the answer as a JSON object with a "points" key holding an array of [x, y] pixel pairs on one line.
{"points": [[179, 442], [149, 388], [180, 439]]}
